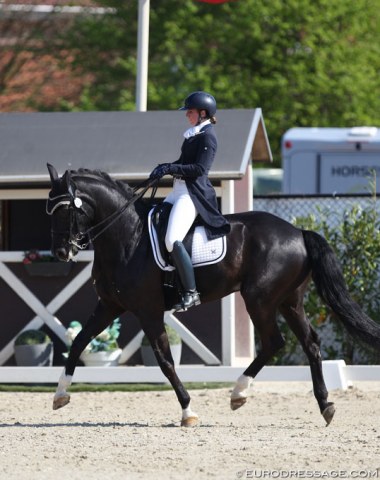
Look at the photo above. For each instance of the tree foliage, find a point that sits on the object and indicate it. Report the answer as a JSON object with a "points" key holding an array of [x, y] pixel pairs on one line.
{"points": [[304, 62]]}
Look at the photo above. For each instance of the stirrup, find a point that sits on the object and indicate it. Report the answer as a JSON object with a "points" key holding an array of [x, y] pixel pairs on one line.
{"points": [[189, 299]]}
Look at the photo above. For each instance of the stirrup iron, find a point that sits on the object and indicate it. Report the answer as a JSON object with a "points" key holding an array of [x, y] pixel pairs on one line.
{"points": [[189, 299]]}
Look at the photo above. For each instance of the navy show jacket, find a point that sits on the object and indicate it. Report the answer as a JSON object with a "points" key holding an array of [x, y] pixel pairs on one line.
{"points": [[197, 155]]}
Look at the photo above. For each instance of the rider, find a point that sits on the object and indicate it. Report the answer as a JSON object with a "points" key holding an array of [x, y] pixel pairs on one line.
{"points": [[193, 193]]}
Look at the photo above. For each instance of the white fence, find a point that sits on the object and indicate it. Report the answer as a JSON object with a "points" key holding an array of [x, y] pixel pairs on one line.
{"points": [[46, 314], [337, 374]]}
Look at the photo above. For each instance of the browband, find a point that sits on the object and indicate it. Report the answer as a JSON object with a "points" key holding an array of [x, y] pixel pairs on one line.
{"points": [[53, 203]]}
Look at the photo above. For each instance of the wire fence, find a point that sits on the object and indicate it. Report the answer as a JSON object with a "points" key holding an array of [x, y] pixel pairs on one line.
{"points": [[332, 210], [290, 207]]}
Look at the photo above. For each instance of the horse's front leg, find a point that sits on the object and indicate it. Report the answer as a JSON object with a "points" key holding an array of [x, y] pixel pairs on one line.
{"points": [[159, 341], [99, 320]]}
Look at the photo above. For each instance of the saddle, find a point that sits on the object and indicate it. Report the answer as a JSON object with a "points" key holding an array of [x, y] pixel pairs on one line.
{"points": [[160, 220], [201, 250]]}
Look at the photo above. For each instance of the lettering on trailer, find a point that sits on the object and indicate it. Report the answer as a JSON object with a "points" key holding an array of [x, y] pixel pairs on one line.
{"points": [[354, 170]]}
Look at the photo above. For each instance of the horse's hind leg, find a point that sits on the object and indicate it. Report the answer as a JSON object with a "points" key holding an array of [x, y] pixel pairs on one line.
{"points": [[295, 316], [263, 316]]}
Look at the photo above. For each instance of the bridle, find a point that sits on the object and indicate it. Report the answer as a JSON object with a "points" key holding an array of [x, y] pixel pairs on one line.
{"points": [[75, 204]]}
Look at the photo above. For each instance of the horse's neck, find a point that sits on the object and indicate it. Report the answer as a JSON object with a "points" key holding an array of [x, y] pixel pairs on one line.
{"points": [[120, 234]]}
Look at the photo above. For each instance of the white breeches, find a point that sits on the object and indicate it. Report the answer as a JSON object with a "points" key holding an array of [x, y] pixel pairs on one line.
{"points": [[182, 214]]}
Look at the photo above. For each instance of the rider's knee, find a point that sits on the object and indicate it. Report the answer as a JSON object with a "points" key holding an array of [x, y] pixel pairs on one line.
{"points": [[169, 243]]}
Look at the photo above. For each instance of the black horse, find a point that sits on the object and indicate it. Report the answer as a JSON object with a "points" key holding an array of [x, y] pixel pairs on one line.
{"points": [[268, 261]]}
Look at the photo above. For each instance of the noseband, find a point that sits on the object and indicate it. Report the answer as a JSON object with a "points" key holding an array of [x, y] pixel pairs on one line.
{"points": [[75, 204]]}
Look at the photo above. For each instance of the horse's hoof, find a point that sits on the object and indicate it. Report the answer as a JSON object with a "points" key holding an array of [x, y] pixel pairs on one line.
{"points": [[328, 413], [60, 402], [237, 402], [189, 422]]}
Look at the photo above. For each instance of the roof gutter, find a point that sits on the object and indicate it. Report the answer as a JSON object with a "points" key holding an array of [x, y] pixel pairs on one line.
{"points": [[43, 10], [28, 179]]}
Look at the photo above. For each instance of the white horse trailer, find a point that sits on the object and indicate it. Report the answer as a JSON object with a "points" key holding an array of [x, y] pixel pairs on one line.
{"points": [[330, 160]]}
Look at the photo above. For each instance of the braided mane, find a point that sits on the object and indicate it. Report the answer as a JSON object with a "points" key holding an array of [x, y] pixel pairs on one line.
{"points": [[119, 185], [142, 206]]}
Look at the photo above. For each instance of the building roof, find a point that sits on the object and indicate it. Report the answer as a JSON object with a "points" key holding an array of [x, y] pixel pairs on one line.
{"points": [[128, 145], [331, 135]]}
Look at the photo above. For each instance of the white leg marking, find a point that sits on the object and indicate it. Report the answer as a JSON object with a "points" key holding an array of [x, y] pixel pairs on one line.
{"points": [[189, 418], [241, 387], [63, 385]]}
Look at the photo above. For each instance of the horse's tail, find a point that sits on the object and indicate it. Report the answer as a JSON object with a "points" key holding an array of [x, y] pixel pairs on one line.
{"points": [[331, 287]]}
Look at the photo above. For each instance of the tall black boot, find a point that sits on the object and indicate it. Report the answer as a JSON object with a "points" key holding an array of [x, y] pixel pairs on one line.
{"points": [[185, 269]]}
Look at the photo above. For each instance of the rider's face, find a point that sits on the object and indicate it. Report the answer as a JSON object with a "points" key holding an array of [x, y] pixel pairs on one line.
{"points": [[193, 116]]}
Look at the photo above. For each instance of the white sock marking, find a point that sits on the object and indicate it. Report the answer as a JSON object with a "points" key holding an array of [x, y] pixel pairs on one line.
{"points": [[241, 387], [188, 413], [63, 384]]}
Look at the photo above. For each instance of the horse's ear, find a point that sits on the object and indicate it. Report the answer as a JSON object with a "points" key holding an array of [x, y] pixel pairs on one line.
{"points": [[52, 172]]}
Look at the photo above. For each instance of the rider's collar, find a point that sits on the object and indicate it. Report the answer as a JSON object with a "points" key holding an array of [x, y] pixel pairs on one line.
{"points": [[192, 131]]}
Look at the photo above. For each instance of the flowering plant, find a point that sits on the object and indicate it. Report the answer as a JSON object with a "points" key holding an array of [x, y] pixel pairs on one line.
{"points": [[104, 342], [34, 256]]}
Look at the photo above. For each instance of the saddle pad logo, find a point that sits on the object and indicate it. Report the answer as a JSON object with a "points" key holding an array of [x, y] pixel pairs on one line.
{"points": [[203, 251]]}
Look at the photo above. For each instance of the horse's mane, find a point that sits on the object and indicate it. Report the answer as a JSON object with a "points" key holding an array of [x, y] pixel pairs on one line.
{"points": [[104, 177], [143, 205]]}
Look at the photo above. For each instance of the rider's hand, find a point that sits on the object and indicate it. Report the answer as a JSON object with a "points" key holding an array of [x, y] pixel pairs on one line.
{"points": [[161, 170]]}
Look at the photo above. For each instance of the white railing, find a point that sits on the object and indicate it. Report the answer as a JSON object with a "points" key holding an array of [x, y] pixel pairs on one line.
{"points": [[46, 313], [337, 374], [43, 313]]}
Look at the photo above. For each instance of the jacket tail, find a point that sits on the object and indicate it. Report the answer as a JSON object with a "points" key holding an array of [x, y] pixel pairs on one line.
{"points": [[331, 287]]}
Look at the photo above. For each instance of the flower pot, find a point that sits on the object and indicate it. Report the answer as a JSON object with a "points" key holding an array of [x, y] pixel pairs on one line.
{"points": [[101, 359], [40, 355], [149, 359], [48, 269]]}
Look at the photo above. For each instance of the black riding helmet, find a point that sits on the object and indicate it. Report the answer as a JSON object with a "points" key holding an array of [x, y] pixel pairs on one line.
{"points": [[201, 101]]}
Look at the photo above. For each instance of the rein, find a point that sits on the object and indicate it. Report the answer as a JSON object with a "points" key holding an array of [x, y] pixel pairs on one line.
{"points": [[75, 202], [110, 220]]}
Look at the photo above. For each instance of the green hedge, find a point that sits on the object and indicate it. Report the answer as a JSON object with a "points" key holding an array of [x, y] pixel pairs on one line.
{"points": [[356, 242]]}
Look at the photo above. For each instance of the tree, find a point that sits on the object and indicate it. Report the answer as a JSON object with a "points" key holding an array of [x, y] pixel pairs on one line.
{"points": [[304, 62], [34, 65]]}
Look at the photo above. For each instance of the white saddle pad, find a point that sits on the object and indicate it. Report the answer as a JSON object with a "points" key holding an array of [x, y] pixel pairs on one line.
{"points": [[203, 251]]}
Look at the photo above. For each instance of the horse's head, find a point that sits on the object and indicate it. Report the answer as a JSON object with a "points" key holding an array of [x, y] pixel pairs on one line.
{"points": [[69, 217], [86, 203]]}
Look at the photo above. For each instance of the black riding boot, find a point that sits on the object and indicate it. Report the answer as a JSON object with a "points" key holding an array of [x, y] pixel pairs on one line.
{"points": [[185, 269]]}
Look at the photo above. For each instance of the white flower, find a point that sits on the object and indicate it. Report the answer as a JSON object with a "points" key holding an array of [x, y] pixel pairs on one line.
{"points": [[105, 341], [104, 336]]}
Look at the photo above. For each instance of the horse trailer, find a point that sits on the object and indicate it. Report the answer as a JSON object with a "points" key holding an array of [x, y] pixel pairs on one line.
{"points": [[330, 160]]}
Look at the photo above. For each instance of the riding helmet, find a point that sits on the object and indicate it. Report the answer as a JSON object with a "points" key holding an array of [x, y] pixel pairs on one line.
{"points": [[201, 101]]}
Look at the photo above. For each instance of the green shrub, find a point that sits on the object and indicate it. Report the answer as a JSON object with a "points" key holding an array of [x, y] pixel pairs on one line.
{"points": [[356, 242], [32, 337]]}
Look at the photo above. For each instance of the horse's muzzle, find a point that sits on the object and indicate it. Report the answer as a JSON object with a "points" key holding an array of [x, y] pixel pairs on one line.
{"points": [[65, 254]]}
